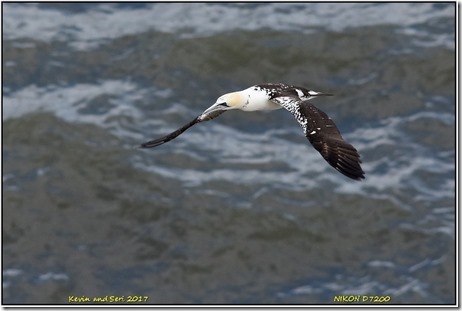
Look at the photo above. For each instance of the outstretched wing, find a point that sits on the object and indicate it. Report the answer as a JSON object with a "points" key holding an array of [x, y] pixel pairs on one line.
{"points": [[178, 132], [323, 134], [169, 137]]}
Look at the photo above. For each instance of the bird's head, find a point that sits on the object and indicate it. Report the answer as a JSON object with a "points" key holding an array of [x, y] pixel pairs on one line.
{"points": [[235, 100]]}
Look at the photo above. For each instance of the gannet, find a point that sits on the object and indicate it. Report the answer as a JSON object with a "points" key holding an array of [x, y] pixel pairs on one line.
{"points": [[317, 126]]}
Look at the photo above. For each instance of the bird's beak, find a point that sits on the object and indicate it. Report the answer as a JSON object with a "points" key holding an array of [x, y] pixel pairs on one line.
{"points": [[213, 111], [215, 107]]}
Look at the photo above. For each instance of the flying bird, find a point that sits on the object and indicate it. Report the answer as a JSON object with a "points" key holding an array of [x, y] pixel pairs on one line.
{"points": [[317, 126]]}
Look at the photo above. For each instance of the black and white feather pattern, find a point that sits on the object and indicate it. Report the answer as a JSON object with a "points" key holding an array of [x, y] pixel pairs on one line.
{"points": [[318, 127], [320, 130]]}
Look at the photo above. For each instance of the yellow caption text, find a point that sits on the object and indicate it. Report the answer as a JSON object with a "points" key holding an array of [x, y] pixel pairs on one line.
{"points": [[108, 299], [361, 299]]}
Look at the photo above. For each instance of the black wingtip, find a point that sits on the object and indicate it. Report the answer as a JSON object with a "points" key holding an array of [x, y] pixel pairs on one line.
{"points": [[151, 144], [358, 176], [348, 162], [169, 137]]}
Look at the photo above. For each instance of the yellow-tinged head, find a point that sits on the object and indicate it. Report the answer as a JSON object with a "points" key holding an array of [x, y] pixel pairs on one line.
{"points": [[235, 100]]}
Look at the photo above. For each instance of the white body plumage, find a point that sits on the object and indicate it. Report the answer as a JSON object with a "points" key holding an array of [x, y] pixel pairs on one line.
{"points": [[250, 99]]}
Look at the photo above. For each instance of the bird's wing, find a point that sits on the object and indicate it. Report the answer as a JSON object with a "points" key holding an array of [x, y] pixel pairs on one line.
{"points": [[169, 137], [323, 134], [178, 132]]}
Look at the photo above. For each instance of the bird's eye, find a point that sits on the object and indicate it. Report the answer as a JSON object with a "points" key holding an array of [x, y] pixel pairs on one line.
{"points": [[224, 104]]}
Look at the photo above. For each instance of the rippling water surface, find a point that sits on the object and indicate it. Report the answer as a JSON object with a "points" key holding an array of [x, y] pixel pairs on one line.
{"points": [[241, 209]]}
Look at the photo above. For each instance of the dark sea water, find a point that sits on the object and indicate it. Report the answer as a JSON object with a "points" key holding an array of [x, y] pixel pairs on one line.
{"points": [[239, 210]]}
